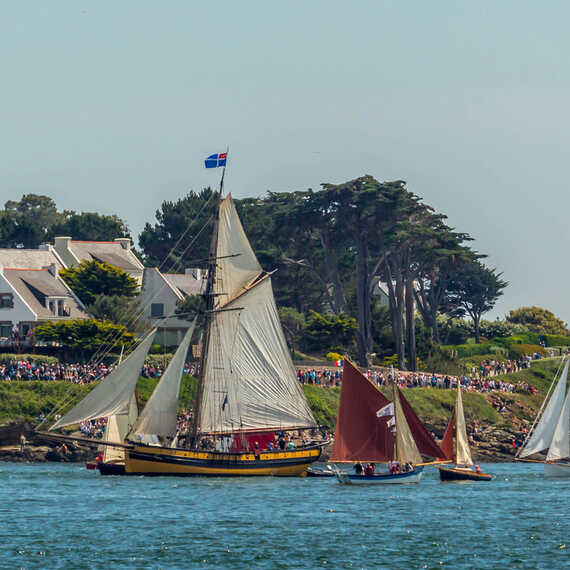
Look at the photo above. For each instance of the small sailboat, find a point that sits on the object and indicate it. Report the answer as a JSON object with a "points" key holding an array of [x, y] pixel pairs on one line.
{"points": [[460, 454], [370, 429], [551, 433]]}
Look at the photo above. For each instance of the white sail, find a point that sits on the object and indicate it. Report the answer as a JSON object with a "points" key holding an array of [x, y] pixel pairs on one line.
{"points": [[462, 451], [543, 433], [236, 263], [117, 429], [406, 448], [113, 394], [249, 378], [159, 415], [560, 446]]}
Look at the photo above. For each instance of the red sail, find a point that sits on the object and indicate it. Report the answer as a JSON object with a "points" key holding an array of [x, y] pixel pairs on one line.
{"points": [[425, 442], [447, 441], [360, 435]]}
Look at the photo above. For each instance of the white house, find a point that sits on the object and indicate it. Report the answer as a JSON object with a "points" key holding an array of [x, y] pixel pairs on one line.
{"points": [[29, 296], [117, 252], [159, 296]]}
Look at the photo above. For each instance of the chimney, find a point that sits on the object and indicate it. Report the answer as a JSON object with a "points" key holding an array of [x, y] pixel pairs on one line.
{"points": [[125, 243], [61, 242], [44, 247]]}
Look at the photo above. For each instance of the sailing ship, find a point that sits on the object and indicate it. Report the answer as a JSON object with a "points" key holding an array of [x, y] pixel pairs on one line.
{"points": [[550, 431], [370, 429], [460, 454], [248, 395]]}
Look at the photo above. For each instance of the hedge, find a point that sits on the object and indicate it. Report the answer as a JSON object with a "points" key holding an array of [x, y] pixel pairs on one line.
{"points": [[38, 358]]}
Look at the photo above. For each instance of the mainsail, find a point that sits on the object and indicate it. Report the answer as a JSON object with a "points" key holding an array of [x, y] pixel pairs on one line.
{"points": [[249, 381], [113, 394], [159, 415], [560, 446], [542, 435], [446, 444], [462, 451]]}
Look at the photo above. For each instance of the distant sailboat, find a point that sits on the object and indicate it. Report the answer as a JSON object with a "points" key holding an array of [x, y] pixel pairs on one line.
{"points": [[552, 431], [364, 433], [460, 452]]}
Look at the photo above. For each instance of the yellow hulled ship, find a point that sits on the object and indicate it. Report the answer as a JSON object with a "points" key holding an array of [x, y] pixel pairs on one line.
{"points": [[250, 416]]}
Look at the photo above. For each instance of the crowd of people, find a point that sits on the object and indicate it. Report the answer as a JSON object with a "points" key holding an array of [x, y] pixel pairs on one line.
{"points": [[72, 372], [481, 378]]}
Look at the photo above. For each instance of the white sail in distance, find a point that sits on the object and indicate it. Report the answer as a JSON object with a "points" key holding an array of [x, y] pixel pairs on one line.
{"points": [[542, 435], [462, 451], [560, 445], [249, 379], [113, 394], [159, 414], [406, 448]]}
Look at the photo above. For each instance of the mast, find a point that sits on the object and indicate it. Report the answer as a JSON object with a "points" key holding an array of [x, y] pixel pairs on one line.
{"points": [[192, 441]]}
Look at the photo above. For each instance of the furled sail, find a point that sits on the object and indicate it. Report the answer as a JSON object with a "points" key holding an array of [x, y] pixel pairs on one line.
{"points": [[362, 432], [249, 379], [462, 451], [159, 415], [543, 433], [406, 449], [113, 394], [560, 446], [236, 264], [117, 429]]}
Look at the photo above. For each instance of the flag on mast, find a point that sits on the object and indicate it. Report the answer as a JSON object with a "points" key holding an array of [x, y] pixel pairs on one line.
{"points": [[215, 160]]}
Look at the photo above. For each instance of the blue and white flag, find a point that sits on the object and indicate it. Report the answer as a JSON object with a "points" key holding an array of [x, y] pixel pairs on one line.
{"points": [[215, 160]]}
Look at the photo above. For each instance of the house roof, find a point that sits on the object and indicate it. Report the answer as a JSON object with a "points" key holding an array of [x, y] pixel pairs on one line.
{"points": [[185, 284], [29, 258], [33, 285], [107, 252]]}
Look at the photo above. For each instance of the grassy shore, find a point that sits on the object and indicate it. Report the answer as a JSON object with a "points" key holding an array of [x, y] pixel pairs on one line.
{"points": [[27, 400]]}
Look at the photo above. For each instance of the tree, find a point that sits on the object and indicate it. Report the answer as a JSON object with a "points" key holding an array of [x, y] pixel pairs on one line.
{"points": [[89, 226], [538, 320], [324, 332], [92, 278], [27, 223], [293, 322], [181, 235], [476, 289], [84, 334], [117, 309]]}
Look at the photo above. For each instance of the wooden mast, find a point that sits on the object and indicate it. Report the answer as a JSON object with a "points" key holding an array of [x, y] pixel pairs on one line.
{"points": [[192, 441]]}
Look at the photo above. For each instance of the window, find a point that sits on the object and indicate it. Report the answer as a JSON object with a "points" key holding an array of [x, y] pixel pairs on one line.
{"points": [[6, 300], [5, 330], [157, 310]]}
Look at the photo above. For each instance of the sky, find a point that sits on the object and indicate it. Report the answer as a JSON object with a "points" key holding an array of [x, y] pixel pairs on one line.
{"points": [[112, 107]]}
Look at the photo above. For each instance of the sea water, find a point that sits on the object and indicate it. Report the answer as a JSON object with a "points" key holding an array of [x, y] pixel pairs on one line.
{"points": [[63, 516]]}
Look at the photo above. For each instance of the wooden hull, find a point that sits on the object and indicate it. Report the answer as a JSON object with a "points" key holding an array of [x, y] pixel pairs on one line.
{"points": [[458, 474], [148, 460], [558, 470], [111, 468], [382, 478]]}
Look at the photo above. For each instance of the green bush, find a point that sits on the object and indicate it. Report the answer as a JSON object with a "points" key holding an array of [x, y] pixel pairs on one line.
{"points": [[38, 358], [556, 340], [519, 350], [334, 356]]}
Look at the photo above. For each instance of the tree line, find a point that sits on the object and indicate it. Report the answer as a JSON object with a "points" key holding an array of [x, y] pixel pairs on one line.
{"points": [[331, 248]]}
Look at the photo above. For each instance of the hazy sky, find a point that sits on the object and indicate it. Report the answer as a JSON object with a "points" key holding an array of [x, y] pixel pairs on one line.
{"points": [[112, 107]]}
